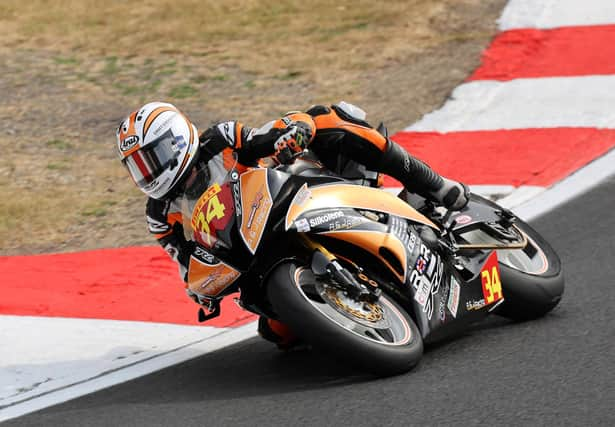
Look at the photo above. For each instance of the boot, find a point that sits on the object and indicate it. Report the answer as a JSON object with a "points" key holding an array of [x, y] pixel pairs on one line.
{"points": [[417, 177], [277, 332]]}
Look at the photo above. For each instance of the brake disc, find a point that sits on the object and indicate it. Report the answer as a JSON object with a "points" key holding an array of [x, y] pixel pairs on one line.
{"points": [[367, 314]]}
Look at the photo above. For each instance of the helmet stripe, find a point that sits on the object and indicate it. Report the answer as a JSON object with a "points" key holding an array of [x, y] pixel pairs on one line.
{"points": [[153, 115]]}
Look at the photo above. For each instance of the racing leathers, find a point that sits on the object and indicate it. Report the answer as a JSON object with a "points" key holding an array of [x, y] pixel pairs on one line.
{"points": [[338, 135]]}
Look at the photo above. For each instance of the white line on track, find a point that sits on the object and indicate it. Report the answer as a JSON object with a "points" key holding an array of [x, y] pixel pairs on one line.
{"points": [[546, 102], [556, 13], [573, 186], [174, 356]]}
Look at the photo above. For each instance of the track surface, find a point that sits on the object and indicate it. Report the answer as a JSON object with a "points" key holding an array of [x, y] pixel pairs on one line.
{"points": [[554, 371]]}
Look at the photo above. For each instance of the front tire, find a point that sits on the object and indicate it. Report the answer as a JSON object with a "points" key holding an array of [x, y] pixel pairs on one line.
{"points": [[382, 340]]}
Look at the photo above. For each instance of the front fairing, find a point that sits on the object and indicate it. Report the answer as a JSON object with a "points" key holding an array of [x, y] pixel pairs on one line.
{"points": [[398, 236]]}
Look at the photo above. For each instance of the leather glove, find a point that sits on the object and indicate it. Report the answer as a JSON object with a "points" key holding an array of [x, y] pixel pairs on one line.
{"points": [[452, 195], [293, 141]]}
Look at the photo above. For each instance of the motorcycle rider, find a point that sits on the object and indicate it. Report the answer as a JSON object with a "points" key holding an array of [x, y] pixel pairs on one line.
{"points": [[162, 150]]}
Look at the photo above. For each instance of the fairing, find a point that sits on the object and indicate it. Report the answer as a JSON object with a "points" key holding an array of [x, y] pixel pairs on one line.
{"points": [[351, 196]]}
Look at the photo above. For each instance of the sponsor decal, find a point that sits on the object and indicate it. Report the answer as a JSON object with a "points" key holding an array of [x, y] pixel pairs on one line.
{"points": [[204, 256], [453, 297], [415, 275], [463, 219], [421, 265], [436, 280], [255, 205], [156, 226], [321, 219], [210, 280], [211, 213], [302, 225], [442, 308], [406, 162], [345, 223], [151, 185], [426, 278], [422, 291], [163, 125], [227, 130], [236, 196], [399, 228], [490, 279], [475, 305], [302, 196], [129, 142], [412, 239]]}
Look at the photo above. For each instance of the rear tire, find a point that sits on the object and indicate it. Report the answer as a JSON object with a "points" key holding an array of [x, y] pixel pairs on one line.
{"points": [[291, 291], [528, 295]]}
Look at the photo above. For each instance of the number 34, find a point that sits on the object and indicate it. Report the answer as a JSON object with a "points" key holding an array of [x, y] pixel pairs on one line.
{"points": [[215, 210], [492, 286]]}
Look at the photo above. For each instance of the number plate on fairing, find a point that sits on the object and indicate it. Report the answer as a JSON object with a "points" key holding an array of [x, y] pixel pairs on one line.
{"points": [[213, 211]]}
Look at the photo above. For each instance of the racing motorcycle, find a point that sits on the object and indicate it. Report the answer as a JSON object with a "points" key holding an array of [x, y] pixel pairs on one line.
{"points": [[355, 270]]}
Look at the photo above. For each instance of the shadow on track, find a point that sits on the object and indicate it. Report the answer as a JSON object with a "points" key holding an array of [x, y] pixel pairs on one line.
{"points": [[256, 368]]}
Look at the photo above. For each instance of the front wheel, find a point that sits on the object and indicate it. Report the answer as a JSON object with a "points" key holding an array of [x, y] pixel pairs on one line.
{"points": [[532, 278], [379, 337]]}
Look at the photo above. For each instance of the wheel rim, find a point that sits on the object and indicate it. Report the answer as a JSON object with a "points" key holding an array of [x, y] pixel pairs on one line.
{"points": [[530, 260], [381, 322]]}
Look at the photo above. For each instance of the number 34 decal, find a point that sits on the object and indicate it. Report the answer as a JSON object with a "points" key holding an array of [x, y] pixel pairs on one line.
{"points": [[490, 277], [209, 208]]}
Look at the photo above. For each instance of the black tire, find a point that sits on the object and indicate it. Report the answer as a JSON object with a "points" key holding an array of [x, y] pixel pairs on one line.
{"points": [[528, 295], [291, 291]]}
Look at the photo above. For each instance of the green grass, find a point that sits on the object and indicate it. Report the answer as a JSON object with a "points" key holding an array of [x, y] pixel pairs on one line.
{"points": [[66, 60], [183, 91], [60, 144], [56, 166], [94, 212], [111, 66]]}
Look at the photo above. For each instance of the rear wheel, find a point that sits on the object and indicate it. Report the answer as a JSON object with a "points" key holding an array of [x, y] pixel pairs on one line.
{"points": [[532, 278], [379, 337]]}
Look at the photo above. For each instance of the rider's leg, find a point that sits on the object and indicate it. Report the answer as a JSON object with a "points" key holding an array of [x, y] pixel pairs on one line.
{"points": [[419, 178]]}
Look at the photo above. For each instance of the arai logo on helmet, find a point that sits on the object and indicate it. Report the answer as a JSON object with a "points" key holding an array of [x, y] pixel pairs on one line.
{"points": [[129, 142]]}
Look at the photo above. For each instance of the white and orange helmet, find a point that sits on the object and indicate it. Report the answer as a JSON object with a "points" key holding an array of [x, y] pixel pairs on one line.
{"points": [[157, 144]]}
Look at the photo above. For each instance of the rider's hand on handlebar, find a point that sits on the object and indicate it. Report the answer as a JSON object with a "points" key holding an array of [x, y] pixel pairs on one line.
{"points": [[292, 142], [453, 195]]}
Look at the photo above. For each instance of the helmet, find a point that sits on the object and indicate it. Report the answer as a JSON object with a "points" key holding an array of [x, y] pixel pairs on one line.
{"points": [[158, 145]]}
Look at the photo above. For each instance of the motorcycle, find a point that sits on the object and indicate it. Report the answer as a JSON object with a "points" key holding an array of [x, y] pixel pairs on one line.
{"points": [[355, 270]]}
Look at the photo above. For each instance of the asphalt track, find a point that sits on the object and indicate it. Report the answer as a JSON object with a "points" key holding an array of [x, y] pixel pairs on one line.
{"points": [[553, 371]]}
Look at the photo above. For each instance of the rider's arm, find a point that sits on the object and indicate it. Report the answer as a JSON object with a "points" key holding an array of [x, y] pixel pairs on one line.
{"points": [[165, 223], [294, 130]]}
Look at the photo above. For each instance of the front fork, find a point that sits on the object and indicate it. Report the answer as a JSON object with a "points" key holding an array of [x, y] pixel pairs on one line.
{"points": [[325, 264]]}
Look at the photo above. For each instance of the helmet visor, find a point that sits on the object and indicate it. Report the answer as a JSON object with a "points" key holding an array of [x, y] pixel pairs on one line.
{"points": [[148, 163]]}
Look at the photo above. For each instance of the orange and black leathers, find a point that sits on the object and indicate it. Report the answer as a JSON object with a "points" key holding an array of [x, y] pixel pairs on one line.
{"points": [[340, 138], [334, 136], [237, 146]]}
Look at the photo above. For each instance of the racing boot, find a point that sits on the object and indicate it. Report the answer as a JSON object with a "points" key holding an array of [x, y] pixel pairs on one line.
{"points": [[417, 177], [277, 333]]}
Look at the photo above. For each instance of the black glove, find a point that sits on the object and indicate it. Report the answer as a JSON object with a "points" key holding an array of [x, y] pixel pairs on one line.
{"points": [[452, 195], [292, 142]]}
